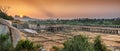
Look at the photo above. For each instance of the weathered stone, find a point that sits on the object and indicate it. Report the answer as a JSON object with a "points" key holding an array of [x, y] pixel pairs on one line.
{"points": [[3, 29], [6, 28]]}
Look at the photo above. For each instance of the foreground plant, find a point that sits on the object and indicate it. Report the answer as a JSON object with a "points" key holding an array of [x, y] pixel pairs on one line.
{"points": [[26, 45], [81, 43], [98, 45], [78, 43], [5, 45]]}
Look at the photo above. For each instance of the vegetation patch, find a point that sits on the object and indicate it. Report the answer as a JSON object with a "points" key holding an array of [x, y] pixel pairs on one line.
{"points": [[81, 43]]}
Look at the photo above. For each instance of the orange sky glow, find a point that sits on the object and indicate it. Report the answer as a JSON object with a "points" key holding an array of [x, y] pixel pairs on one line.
{"points": [[42, 9]]}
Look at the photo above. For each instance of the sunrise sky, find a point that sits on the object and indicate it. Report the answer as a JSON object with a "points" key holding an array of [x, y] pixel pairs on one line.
{"points": [[42, 9]]}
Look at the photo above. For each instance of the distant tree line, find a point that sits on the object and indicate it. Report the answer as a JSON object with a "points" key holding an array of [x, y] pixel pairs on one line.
{"points": [[84, 21]]}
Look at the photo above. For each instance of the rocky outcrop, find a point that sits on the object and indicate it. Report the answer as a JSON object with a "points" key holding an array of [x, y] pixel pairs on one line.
{"points": [[6, 28], [3, 29]]}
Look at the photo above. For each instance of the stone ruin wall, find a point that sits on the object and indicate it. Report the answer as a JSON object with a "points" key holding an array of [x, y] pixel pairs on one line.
{"points": [[98, 29], [107, 30]]}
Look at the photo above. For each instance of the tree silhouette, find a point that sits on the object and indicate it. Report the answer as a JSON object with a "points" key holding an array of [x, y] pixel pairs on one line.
{"points": [[3, 13]]}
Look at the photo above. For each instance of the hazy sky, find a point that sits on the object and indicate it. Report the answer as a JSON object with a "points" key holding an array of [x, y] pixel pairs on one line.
{"points": [[44, 8]]}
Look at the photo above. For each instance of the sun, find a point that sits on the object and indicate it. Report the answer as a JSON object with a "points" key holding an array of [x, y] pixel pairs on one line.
{"points": [[21, 15]]}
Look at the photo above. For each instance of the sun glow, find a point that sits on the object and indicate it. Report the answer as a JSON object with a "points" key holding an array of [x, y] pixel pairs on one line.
{"points": [[21, 15]]}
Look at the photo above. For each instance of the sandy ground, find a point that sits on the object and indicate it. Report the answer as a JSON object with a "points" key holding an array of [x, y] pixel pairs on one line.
{"points": [[48, 40]]}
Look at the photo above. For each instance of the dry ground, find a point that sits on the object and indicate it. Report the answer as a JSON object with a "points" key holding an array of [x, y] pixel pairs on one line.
{"points": [[56, 39]]}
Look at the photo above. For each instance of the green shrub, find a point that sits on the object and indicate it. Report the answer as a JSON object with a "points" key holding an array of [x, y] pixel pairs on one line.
{"points": [[26, 45], [5, 45], [81, 43], [98, 45], [78, 43], [3, 37]]}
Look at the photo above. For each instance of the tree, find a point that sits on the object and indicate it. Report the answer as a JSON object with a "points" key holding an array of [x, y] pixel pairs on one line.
{"points": [[4, 8], [3, 13], [116, 22]]}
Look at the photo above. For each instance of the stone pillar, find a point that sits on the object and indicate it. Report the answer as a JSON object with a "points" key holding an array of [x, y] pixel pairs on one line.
{"points": [[116, 31]]}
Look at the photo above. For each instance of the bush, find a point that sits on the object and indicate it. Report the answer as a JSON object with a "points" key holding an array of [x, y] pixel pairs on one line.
{"points": [[26, 45], [98, 45], [3, 37], [5, 45], [81, 43], [78, 43]]}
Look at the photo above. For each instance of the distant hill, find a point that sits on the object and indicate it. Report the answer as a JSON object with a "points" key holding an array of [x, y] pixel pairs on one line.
{"points": [[24, 18]]}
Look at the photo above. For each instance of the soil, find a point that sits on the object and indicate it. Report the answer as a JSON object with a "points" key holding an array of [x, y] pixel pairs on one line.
{"points": [[48, 40]]}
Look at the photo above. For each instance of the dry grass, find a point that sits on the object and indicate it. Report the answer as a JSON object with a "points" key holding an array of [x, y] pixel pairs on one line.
{"points": [[56, 39]]}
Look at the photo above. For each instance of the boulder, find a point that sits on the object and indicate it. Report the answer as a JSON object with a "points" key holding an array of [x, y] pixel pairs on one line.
{"points": [[7, 28]]}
